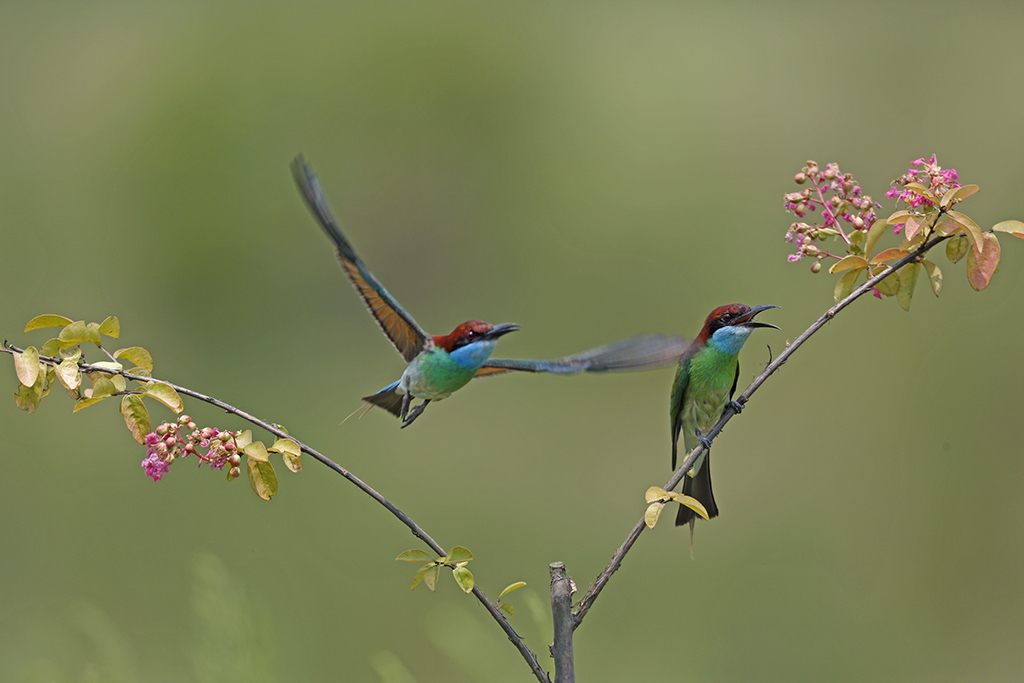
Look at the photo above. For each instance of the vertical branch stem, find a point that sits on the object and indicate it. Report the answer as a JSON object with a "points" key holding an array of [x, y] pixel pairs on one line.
{"points": [[561, 614]]}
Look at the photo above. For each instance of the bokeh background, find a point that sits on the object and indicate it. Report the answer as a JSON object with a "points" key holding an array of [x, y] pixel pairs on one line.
{"points": [[589, 170]]}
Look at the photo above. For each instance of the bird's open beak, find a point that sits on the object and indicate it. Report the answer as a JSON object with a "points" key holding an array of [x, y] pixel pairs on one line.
{"points": [[502, 329], [748, 319]]}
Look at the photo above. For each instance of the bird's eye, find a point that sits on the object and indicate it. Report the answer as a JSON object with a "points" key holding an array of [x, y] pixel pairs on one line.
{"points": [[470, 334], [726, 317]]}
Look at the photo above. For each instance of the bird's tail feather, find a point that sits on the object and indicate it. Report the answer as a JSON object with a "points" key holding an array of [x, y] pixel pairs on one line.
{"points": [[698, 487]]}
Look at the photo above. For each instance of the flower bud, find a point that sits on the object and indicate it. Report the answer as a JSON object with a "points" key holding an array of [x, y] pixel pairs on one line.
{"points": [[234, 460], [816, 267], [234, 473], [800, 178]]}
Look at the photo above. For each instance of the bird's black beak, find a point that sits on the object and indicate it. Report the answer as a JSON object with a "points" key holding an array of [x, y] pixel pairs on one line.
{"points": [[502, 329], [747, 320]]}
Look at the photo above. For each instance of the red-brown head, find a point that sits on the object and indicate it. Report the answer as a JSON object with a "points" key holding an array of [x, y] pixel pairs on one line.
{"points": [[472, 331]]}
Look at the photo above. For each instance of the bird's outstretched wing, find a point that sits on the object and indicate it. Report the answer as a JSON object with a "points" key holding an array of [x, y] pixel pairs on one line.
{"points": [[397, 325], [643, 352]]}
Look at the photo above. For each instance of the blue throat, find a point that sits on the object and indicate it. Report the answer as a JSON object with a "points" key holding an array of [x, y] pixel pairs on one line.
{"points": [[730, 340]]}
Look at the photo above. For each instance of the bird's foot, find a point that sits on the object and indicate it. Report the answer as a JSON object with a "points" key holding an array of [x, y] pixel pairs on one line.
{"points": [[736, 406], [705, 441], [415, 413]]}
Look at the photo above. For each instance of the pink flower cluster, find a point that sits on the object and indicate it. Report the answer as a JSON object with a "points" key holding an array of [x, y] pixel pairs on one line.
{"points": [[839, 198], [173, 440], [929, 175]]}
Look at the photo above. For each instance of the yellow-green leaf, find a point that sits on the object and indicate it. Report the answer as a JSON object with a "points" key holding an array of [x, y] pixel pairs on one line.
{"points": [[655, 493], [430, 576], [243, 439], [1015, 228], [973, 231], [507, 609], [27, 398], [136, 417], [108, 366], [290, 453], [847, 262], [908, 280], [957, 194], [41, 321], [135, 355], [464, 578], [982, 265], [26, 366], [51, 348], [262, 478], [78, 333], [86, 402], [415, 555], [846, 283], [693, 504], [511, 587], [652, 514], [877, 228], [934, 275], [110, 327], [256, 451], [888, 285], [102, 387], [166, 394], [889, 255], [419, 575], [458, 554], [957, 247], [68, 374]]}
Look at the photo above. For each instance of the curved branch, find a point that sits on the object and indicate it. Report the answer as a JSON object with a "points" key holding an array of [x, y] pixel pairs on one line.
{"points": [[584, 605], [416, 529]]}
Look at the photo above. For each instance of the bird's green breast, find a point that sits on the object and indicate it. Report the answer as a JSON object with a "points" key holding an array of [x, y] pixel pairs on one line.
{"points": [[434, 374], [711, 377]]}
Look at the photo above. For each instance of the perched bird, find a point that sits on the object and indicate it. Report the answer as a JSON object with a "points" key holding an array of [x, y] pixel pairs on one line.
{"points": [[440, 365], [705, 383]]}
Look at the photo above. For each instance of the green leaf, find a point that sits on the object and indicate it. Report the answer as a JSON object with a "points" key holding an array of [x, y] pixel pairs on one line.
{"points": [[511, 587], [26, 366], [50, 374], [458, 554], [889, 255], [957, 194], [507, 609], [27, 398], [934, 275], [51, 347], [415, 555], [652, 514], [86, 402], [877, 228], [973, 231], [846, 283], [923, 191], [290, 453], [41, 321], [957, 247], [166, 394], [430, 576], [78, 333], [692, 503], [982, 264], [888, 285], [419, 575], [135, 355], [110, 327], [136, 417], [908, 280], [256, 451], [848, 262], [262, 478], [464, 578], [1015, 228], [243, 439]]}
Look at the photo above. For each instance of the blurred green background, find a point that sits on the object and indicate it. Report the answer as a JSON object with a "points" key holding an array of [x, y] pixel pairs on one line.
{"points": [[589, 170]]}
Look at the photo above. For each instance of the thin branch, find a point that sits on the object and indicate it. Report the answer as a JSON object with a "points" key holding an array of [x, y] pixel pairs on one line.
{"points": [[584, 605], [417, 531]]}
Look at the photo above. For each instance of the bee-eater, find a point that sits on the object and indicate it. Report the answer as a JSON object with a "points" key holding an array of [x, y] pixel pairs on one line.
{"points": [[440, 365], [705, 383]]}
